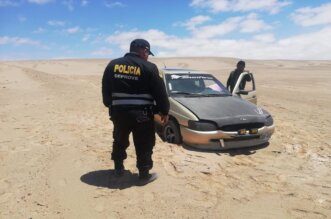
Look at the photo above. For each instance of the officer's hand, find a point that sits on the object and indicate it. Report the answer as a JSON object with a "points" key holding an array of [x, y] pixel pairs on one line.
{"points": [[164, 119]]}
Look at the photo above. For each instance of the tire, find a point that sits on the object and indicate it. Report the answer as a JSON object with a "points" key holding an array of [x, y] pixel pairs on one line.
{"points": [[171, 133]]}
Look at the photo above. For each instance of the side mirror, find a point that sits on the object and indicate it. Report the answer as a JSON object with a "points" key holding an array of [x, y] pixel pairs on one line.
{"points": [[242, 92]]}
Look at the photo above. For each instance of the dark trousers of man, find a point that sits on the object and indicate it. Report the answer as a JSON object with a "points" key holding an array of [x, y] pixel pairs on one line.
{"points": [[141, 124]]}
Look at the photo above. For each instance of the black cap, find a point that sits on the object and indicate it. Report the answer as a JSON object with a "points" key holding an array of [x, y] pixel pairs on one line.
{"points": [[141, 43]]}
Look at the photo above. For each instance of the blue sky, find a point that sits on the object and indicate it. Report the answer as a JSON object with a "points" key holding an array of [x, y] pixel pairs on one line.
{"points": [[249, 29]]}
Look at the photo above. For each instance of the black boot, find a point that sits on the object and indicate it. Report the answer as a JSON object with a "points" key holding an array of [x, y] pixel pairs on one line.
{"points": [[145, 177], [119, 168]]}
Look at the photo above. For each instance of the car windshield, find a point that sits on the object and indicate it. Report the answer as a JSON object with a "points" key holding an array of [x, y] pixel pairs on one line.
{"points": [[195, 85]]}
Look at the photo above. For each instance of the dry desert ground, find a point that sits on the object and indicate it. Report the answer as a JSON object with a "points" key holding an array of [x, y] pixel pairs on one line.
{"points": [[55, 144]]}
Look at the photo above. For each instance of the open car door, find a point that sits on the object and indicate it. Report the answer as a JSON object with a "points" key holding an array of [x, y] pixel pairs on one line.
{"points": [[245, 87]]}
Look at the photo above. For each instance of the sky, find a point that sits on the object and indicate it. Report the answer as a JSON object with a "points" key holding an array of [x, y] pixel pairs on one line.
{"points": [[244, 29]]}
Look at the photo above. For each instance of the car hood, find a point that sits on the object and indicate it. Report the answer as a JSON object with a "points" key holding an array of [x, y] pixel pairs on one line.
{"points": [[228, 110]]}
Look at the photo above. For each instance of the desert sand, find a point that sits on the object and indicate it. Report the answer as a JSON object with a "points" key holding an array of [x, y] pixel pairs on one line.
{"points": [[55, 144]]}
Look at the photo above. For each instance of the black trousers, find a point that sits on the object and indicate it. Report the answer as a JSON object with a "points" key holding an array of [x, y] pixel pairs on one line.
{"points": [[141, 124]]}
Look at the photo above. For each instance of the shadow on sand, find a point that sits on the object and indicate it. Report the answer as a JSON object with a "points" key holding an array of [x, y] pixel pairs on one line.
{"points": [[107, 179]]}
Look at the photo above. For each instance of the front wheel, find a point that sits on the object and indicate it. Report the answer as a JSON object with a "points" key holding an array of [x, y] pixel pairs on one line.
{"points": [[171, 133]]}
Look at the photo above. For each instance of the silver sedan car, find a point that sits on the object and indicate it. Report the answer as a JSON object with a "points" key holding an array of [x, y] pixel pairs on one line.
{"points": [[205, 115]]}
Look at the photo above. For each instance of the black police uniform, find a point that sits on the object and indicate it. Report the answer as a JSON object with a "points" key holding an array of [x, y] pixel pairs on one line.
{"points": [[133, 91]]}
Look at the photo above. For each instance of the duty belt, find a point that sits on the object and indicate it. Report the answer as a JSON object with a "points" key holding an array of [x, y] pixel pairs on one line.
{"points": [[132, 99]]}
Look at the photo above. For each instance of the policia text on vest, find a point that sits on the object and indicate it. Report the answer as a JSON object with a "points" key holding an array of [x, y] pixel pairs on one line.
{"points": [[127, 72]]}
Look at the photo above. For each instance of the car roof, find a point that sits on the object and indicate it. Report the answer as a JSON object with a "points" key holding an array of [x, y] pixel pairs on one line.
{"points": [[181, 71]]}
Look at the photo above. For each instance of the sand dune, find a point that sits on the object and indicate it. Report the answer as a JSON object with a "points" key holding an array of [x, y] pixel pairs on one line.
{"points": [[55, 144]]}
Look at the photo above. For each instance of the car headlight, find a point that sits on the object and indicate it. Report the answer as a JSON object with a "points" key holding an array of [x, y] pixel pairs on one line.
{"points": [[202, 126], [269, 121]]}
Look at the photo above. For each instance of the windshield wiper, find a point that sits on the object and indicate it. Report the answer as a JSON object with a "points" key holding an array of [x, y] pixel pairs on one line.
{"points": [[182, 92], [214, 95], [199, 94]]}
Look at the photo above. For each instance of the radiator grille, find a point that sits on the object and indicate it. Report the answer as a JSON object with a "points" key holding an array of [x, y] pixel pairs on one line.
{"points": [[236, 127]]}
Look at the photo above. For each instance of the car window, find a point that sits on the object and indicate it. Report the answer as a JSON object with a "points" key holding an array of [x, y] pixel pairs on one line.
{"points": [[194, 84], [248, 86], [247, 83]]}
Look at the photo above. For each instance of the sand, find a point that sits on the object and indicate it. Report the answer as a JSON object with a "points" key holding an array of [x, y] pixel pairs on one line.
{"points": [[55, 144]]}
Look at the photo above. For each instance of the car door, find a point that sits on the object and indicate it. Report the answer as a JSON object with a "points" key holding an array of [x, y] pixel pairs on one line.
{"points": [[248, 91]]}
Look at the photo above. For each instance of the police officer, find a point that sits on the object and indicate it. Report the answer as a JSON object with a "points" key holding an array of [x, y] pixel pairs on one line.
{"points": [[133, 91], [234, 75]]}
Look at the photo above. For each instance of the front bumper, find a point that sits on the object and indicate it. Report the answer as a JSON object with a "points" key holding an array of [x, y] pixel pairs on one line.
{"points": [[219, 140]]}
